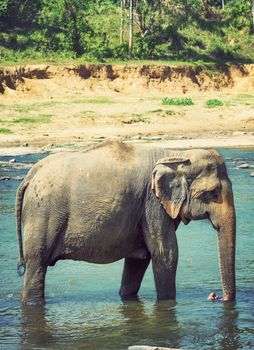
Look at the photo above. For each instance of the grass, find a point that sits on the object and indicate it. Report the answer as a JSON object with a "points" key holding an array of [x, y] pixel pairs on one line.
{"points": [[42, 118], [245, 97], [59, 60], [25, 108], [212, 103], [88, 115], [5, 131], [2, 107], [177, 101], [97, 100], [156, 111]]}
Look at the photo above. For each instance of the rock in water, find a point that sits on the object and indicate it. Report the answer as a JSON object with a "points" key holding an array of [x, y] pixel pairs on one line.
{"points": [[244, 166], [5, 178]]}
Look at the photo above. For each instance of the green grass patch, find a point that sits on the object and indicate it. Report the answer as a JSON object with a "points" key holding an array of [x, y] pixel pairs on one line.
{"points": [[24, 120], [42, 118], [245, 96], [26, 108], [97, 100], [2, 107], [5, 131], [212, 103], [156, 111], [177, 101]]}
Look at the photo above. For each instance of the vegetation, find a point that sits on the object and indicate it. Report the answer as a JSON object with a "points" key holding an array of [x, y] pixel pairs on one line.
{"points": [[214, 103], [204, 30], [177, 101], [5, 131], [33, 120], [98, 100]]}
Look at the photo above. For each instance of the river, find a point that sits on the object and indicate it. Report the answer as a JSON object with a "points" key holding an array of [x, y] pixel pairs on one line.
{"points": [[84, 311]]}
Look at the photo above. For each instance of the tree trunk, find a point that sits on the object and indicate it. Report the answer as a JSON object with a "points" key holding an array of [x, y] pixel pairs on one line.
{"points": [[131, 29], [122, 6], [252, 10]]}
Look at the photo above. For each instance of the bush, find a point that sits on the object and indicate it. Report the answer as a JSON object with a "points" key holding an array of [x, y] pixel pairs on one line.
{"points": [[177, 101], [214, 103]]}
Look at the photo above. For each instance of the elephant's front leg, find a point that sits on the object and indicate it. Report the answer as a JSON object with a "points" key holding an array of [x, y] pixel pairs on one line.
{"points": [[164, 262], [162, 243]]}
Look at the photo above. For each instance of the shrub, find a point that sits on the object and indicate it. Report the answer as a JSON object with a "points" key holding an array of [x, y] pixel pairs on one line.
{"points": [[177, 101], [214, 103]]}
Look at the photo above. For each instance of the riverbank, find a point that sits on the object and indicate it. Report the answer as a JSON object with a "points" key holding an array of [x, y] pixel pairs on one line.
{"points": [[241, 140], [50, 107]]}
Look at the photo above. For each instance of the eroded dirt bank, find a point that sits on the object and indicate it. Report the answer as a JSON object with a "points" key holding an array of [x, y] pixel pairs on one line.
{"points": [[125, 78], [44, 105]]}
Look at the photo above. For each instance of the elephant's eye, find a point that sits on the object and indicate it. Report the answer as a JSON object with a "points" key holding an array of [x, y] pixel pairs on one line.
{"points": [[210, 195]]}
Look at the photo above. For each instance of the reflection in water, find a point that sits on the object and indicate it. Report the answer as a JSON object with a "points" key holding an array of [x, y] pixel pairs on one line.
{"points": [[159, 328], [36, 331], [138, 327], [228, 327]]}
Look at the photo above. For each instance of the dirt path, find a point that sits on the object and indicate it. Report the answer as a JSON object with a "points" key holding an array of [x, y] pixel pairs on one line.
{"points": [[42, 105]]}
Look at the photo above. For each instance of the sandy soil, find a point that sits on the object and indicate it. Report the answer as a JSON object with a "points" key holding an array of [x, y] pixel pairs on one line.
{"points": [[50, 106]]}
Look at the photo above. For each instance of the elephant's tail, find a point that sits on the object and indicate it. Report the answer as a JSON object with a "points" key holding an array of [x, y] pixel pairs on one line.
{"points": [[21, 267]]}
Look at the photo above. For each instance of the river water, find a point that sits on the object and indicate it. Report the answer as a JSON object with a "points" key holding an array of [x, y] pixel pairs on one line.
{"points": [[84, 311]]}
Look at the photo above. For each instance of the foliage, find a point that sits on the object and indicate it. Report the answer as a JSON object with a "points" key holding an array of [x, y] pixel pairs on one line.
{"points": [[214, 103], [177, 101], [239, 13], [163, 29]]}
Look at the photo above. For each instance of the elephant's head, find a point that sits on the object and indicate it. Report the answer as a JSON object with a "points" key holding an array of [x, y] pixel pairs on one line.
{"points": [[196, 186]]}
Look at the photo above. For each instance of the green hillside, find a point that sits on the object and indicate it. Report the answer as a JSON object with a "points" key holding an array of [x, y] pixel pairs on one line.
{"points": [[99, 30]]}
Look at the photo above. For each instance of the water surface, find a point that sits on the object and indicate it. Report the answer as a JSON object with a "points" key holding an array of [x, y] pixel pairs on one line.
{"points": [[83, 310]]}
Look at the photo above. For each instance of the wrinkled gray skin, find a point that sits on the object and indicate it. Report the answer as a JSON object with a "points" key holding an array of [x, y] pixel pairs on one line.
{"points": [[119, 201]]}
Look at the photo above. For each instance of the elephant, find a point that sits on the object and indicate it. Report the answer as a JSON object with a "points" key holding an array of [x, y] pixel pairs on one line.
{"points": [[118, 200]]}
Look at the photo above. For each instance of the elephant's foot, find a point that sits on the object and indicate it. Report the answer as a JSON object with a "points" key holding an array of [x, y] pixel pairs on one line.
{"points": [[166, 296], [32, 301], [133, 273]]}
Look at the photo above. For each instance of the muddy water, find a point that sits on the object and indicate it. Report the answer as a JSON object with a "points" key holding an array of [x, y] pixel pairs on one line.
{"points": [[84, 311]]}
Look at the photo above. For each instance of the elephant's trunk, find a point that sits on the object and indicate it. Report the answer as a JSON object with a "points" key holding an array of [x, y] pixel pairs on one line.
{"points": [[225, 223]]}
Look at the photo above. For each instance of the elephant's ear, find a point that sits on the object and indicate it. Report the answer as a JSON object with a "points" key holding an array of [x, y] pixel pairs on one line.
{"points": [[204, 184], [169, 185]]}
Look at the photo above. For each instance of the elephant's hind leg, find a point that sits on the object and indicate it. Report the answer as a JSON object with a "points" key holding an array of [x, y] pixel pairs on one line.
{"points": [[34, 283], [36, 263], [133, 273]]}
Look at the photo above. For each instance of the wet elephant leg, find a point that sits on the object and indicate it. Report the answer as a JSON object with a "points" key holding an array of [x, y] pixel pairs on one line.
{"points": [[160, 237], [133, 273], [34, 283]]}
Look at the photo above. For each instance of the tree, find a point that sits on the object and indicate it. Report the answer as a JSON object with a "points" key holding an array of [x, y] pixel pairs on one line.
{"points": [[131, 28], [122, 7], [67, 17], [20, 13], [252, 10]]}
